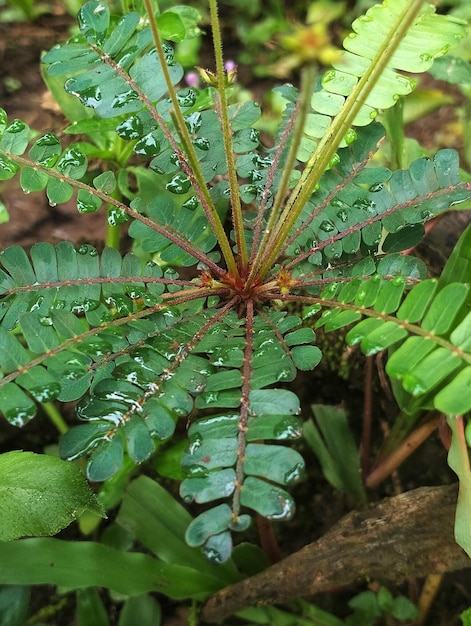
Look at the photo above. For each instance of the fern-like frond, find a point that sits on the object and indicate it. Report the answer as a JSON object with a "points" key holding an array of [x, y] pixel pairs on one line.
{"points": [[427, 331], [430, 36]]}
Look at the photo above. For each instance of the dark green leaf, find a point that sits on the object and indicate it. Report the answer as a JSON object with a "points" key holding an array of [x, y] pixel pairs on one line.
{"points": [[281, 465], [94, 19], [14, 604], [270, 501], [106, 459], [140, 610], [90, 608]]}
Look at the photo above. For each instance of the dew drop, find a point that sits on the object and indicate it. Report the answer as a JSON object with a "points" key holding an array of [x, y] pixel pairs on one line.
{"points": [[376, 187], [326, 226], [192, 203], [17, 126], [350, 136], [187, 97], [295, 474], [83, 249], [122, 99], [131, 128], [342, 215], [201, 143], [193, 122], [179, 184]]}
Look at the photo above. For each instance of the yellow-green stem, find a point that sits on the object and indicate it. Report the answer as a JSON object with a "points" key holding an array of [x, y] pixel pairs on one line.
{"points": [[329, 144], [307, 85], [236, 207], [55, 417], [190, 151]]}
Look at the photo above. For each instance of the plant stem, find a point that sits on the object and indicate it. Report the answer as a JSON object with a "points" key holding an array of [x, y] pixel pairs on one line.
{"points": [[236, 207], [196, 174], [329, 144], [307, 85], [411, 443], [55, 417]]}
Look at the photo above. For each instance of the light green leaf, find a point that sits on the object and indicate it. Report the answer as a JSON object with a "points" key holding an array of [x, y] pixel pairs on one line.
{"points": [[40, 495], [171, 26]]}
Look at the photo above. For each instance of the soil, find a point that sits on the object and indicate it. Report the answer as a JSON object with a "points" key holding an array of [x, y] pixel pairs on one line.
{"points": [[23, 95]]}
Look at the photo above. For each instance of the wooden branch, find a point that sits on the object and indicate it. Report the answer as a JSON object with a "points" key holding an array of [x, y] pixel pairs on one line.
{"points": [[410, 535]]}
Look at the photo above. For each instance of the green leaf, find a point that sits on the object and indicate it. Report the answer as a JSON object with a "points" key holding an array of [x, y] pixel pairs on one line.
{"points": [[40, 495], [58, 191], [273, 402], [17, 407], [269, 500], [93, 19], [15, 138], [281, 465], [171, 26], [159, 522], [106, 459], [331, 440], [89, 564], [444, 308], [46, 150], [87, 202], [458, 460], [142, 609], [32, 179], [8, 167], [211, 522], [90, 608], [14, 604], [306, 357], [455, 398], [212, 486]]}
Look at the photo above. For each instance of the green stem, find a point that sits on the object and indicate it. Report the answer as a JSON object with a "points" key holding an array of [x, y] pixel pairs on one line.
{"points": [[329, 144], [55, 417], [394, 122], [236, 207], [197, 175], [112, 236], [307, 85]]}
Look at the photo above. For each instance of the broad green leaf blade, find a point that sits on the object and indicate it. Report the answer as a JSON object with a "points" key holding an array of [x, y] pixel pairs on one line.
{"points": [[458, 460], [159, 522], [88, 564], [90, 608], [331, 440], [14, 604], [40, 495], [142, 609]]}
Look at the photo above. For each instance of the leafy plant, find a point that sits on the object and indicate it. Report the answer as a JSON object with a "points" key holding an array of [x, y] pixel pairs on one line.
{"points": [[312, 224]]}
